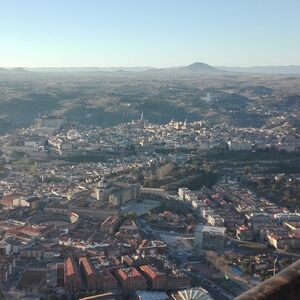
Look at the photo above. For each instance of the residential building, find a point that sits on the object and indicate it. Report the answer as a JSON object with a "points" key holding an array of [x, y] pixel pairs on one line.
{"points": [[209, 237]]}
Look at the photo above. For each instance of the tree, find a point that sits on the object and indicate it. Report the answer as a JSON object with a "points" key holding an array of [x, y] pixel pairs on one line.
{"points": [[131, 215]]}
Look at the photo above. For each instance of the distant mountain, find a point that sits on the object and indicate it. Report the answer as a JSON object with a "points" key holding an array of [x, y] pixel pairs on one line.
{"points": [[192, 69], [18, 70], [89, 69], [13, 70], [195, 68], [198, 67], [292, 69]]}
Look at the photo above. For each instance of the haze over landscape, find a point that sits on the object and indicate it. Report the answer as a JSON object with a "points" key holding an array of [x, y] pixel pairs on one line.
{"points": [[149, 150]]}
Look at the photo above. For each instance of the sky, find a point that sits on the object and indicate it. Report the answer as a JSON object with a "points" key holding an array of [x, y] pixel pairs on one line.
{"points": [[157, 33]]}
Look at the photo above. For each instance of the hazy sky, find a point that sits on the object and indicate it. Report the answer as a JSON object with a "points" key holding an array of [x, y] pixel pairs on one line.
{"points": [[56, 33]]}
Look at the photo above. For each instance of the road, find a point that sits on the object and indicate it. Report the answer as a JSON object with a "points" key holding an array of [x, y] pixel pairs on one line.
{"points": [[235, 245], [283, 252], [216, 292]]}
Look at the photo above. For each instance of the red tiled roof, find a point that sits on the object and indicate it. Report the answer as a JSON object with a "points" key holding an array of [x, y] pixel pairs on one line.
{"points": [[128, 273], [146, 269], [86, 265], [70, 268]]}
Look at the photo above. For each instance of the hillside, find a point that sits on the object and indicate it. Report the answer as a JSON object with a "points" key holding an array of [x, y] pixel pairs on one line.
{"points": [[199, 67], [106, 99]]}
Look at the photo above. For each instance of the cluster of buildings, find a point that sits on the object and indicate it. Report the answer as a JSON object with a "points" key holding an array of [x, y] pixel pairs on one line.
{"points": [[108, 255], [52, 135], [73, 217], [253, 218], [155, 273], [174, 135]]}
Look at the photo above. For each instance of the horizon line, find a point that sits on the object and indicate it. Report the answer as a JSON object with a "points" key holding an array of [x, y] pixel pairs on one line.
{"points": [[145, 66]]}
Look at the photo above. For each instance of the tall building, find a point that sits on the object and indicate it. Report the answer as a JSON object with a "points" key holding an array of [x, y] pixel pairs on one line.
{"points": [[140, 122], [106, 281], [102, 190], [156, 278], [131, 279], [97, 279], [165, 277], [123, 195], [71, 275], [116, 194], [89, 273], [209, 238]]}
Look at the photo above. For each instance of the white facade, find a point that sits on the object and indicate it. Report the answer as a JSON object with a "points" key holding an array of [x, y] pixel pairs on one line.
{"points": [[21, 201], [182, 192], [209, 237]]}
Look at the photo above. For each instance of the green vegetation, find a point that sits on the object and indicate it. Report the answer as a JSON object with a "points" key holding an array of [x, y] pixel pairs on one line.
{"points": [[284, 191], [171, 176], [131, 215], [24, 165], [84, 158], [260, 155]]}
